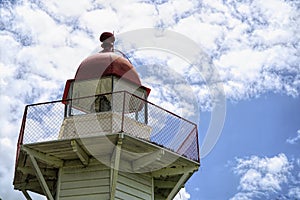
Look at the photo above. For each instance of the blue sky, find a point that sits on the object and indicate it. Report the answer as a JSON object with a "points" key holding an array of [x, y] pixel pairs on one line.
{"points": [[254, 128], [253, 44]]}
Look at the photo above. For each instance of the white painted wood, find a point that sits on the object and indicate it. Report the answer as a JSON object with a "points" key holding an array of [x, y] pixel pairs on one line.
{"points": [[85, 190], [115, 168], [91, 182], [144, 178], [134, 186], [88, 197], [173, 171], [41, 178], [85, 183], [131, 182], [84, 158], [125, 196], [103, 123], [147, 159], [76, 165], [89, 175], [134, 191], [58, 188], [96, 180], [44, 157], [178, 185], [152, 186]]}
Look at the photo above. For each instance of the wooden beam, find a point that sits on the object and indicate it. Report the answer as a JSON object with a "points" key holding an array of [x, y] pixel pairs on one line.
{"points": [[27, 196], [49, 159], [178, 185], [168, 171], [83, 156], [147, 159], [115, 166], [46, 172], [40, 177]]}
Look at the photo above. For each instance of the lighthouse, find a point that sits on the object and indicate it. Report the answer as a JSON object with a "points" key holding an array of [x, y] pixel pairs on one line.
{"points": [[104, 139]]}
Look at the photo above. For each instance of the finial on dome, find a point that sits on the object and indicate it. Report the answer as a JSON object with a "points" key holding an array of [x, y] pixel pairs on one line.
{"points": [[107, 40]]}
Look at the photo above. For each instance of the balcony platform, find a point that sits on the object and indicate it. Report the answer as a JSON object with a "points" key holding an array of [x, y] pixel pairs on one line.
{"points": [[137, 156], [135, 150]]}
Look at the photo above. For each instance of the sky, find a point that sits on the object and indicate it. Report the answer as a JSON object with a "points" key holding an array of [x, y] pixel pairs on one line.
{"points": [[254, 45]]}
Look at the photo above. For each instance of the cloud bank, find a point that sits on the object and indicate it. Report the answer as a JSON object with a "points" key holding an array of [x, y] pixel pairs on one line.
{"points": [[266, 178], [254, 45]]}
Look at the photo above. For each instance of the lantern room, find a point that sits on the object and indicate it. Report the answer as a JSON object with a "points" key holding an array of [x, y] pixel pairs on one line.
{"points": [[102, 74]]}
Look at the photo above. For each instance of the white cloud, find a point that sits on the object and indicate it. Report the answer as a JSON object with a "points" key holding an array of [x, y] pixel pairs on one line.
{"points": [[135, 14], [58, 9], [254, 44], [99, 20], [245, 196], [295, 139], [8, 54], [172, 11], [48, 32], [182, 195], [272, 13], [262, 176], [294, 193], [244, 63], [204, 34]]}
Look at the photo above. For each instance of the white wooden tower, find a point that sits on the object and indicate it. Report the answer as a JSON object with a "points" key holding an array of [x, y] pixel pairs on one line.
{"points": [[104, 140]]}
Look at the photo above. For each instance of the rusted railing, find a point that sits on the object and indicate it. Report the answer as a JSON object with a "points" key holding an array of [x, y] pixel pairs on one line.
{"points": [[109, 113]]}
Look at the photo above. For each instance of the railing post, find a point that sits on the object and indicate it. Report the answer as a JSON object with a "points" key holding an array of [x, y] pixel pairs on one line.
{"points": [[146, 113], [198, 149], [21, 134], [123, 111], [66, 110]]}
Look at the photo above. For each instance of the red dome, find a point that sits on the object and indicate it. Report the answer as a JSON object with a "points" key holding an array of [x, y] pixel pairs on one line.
{"points": [[104, 64]]}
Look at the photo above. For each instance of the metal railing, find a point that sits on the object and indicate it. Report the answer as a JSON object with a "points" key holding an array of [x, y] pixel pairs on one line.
{"points": [[119, 112]]}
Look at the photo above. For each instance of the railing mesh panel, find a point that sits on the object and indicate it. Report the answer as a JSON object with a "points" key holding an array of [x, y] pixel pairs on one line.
{"points": [[123, 112], [43, 122]]}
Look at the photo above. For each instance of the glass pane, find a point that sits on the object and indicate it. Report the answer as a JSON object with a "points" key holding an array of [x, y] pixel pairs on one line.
{"points": [[90, 88]]}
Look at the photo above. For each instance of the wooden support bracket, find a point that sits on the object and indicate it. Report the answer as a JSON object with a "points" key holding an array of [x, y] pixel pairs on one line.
{"points": [[40, 177], [83, 156], [51, 160], [27, 196], [178, 185]]}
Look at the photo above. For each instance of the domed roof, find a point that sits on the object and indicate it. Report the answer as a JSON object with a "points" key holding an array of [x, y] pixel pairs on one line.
{"points": [[105, 64]]}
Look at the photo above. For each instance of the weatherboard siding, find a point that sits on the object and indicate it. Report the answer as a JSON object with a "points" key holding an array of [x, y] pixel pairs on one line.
{"points": [[134, 186], [85, 183]]}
